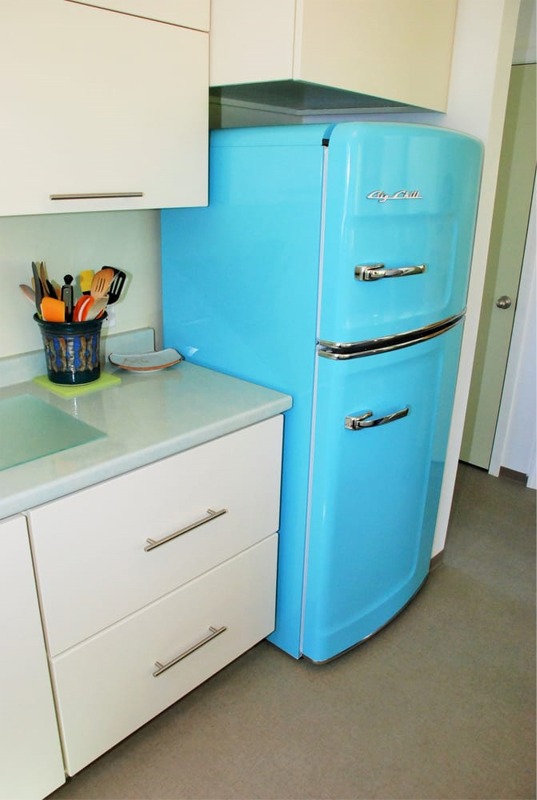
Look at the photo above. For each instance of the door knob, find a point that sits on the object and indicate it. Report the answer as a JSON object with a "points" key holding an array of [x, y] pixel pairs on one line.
{"points": [[503, 301]]}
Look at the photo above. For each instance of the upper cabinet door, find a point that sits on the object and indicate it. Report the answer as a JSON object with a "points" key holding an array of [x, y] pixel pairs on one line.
{"points": [[188, 13], [265, 33], [398, 51], [105, 108]]}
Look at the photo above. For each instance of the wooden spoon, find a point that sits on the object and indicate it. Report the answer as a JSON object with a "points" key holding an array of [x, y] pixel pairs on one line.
{"points": [[48, 288], [27, 292], [96, 309]]}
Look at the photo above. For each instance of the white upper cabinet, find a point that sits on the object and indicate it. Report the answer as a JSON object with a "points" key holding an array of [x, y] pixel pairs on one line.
{"points": [[100, 110], [314, 55], [188, 13]]}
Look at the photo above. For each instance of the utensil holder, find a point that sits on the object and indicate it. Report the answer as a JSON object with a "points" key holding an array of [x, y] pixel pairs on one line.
{"points": [[72, 350]]}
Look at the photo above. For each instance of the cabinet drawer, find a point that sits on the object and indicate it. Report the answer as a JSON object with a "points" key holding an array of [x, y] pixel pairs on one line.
{"points": [[106, 687], [90, 548], [187, 13]]}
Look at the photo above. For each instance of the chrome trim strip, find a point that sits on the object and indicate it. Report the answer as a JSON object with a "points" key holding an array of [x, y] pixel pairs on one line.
{"points": [[373, 633], [340, 351]]}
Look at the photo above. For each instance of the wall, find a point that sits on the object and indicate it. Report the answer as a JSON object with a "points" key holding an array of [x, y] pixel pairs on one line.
{"points": [[525, 51], [68, 243]]}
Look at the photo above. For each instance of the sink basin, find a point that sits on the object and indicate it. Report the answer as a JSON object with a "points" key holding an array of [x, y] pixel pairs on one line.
{"points": [[31, 428]]}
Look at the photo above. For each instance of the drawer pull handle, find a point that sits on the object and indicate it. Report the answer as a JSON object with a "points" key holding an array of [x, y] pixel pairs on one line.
{"points": [[94, 195], [152, 543], [213, 633]]}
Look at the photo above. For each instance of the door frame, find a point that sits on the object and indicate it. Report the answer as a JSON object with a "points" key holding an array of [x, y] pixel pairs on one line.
{"points": [[504, 267], [520, 355]]}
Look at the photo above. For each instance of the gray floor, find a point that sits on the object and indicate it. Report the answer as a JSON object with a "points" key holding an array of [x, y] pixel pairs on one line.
{"points": [[441, 704]]}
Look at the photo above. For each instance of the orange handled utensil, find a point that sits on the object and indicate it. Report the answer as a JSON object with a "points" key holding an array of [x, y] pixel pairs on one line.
{"points": [[82, 307], [52, 309]]}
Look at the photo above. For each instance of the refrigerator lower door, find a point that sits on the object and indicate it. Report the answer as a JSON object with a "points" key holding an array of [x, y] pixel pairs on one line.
{"points": [[381, 430]]}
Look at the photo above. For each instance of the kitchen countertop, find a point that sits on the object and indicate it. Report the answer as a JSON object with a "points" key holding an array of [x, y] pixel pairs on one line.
{"points": [[145, 418]]}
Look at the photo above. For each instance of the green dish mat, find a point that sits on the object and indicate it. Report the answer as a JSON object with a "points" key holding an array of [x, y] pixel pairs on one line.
{"points": [[103, 382], [31, 428]]}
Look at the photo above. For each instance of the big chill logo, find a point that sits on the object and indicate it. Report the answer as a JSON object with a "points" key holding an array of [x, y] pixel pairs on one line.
{"points": [[402, 194]]}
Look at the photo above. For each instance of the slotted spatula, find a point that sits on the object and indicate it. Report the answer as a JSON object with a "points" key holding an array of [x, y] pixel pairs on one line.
{"points": [[101, 282], [116, 287]]}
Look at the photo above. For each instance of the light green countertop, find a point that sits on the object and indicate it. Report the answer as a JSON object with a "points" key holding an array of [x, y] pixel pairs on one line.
{"points": [[145, 418]]}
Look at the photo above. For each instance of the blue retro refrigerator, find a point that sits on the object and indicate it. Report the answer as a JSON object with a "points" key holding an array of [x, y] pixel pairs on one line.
{"points": [[332, 264]]}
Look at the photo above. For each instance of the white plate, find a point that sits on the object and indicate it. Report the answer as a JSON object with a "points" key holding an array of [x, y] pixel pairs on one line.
{"points": [[146, 362]]}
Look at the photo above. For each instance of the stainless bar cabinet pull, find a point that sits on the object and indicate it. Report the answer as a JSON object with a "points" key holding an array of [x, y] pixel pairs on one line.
{"points": [[213, 633], [374, 272], [365, 420], [152, 543], [94, 195]]}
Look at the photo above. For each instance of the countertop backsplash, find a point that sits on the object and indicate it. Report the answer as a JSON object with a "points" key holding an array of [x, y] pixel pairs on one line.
{"points": [[69, 243]]}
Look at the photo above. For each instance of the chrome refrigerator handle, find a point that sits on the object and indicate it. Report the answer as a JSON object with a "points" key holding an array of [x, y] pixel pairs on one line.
{"points": [[365, 420], [374, 272]]}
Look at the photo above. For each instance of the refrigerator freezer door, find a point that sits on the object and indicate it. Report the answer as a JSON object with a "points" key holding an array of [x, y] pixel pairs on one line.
{"points": [[400, 208], [375, 488]]}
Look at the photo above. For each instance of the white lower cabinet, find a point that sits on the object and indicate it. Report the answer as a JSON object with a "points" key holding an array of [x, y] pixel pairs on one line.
{"points": [[110, 685], [94, 561], [172, 564], [31, 764]]}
